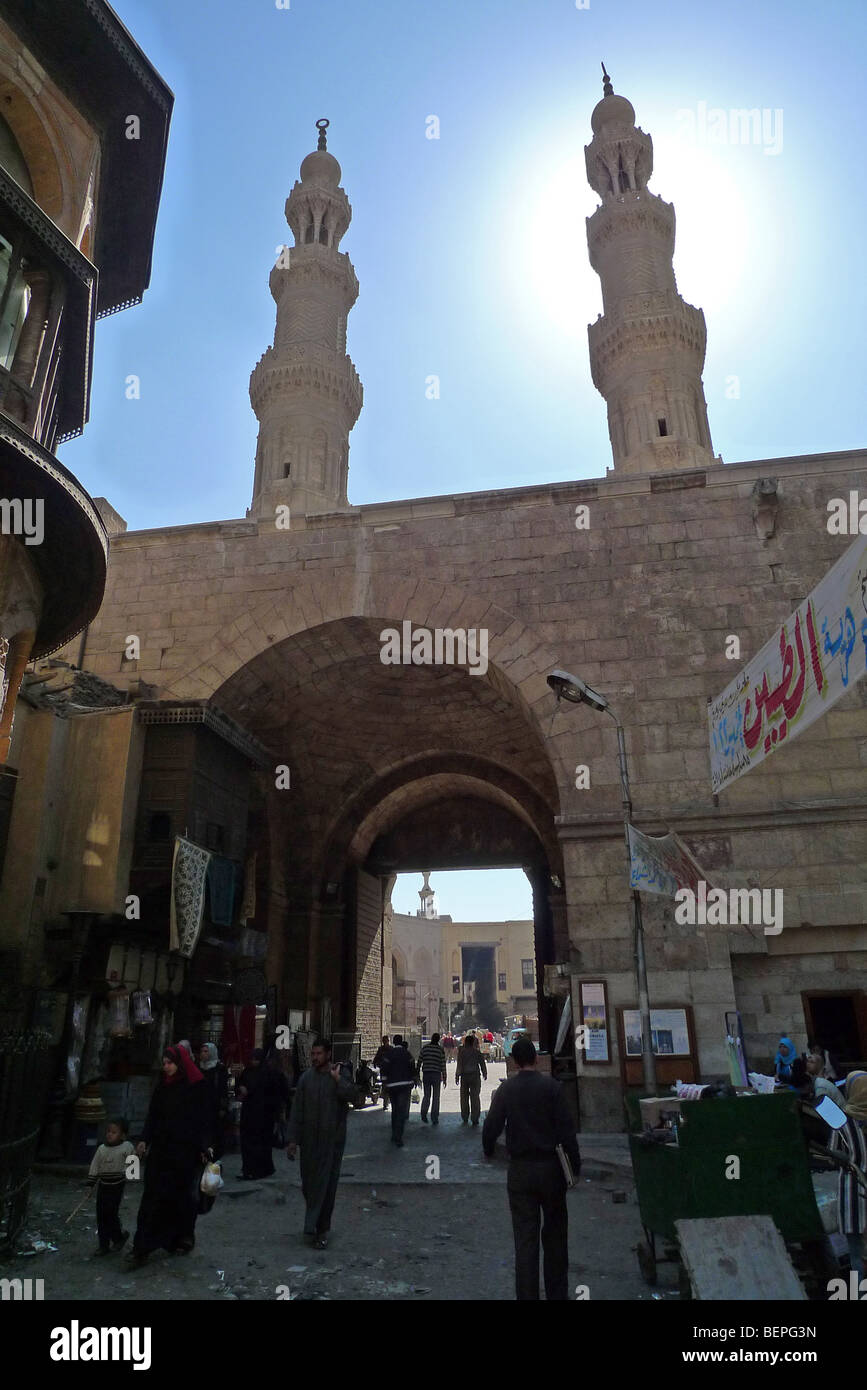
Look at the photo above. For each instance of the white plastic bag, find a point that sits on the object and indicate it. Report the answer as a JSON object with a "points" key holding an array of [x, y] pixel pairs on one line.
{"points": [[212, 1179]]}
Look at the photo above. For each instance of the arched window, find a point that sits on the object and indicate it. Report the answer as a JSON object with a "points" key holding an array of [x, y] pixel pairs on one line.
{"points": [[323, 233]]}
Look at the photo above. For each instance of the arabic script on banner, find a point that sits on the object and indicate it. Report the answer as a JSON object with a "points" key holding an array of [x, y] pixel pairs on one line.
{"points": [[662, 864], [818, 654]]}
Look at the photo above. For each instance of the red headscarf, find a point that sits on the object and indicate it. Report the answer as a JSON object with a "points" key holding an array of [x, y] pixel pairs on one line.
{"points": [[184, 1062]]}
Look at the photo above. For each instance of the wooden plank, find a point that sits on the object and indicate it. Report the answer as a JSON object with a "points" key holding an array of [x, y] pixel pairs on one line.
{"points": [[737, 1257]]}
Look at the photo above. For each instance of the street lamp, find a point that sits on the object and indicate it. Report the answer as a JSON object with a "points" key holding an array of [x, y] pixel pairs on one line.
{"points": [[575, 692]]}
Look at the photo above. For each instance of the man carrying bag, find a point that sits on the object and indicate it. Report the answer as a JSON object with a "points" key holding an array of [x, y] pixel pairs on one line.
{"points": [[540, 1137]]}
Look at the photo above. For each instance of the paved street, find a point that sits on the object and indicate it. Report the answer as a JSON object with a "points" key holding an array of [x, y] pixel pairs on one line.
{"points": [[396, 1233]]}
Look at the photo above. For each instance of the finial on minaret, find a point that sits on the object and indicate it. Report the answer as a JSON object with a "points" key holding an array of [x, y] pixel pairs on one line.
{"points": [[607, 89], [322, 126]]}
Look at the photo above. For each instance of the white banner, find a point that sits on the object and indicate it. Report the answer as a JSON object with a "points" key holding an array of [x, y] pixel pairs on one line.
{"points": [[663, 864], [817, 655]]}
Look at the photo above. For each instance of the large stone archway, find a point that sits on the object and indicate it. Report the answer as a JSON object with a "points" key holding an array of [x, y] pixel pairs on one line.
{"points": [[386, 763], [519, 658]]}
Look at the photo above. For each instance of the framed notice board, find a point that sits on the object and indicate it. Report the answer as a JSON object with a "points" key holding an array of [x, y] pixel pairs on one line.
{"points": [[673, 1044], [590, 1009]]}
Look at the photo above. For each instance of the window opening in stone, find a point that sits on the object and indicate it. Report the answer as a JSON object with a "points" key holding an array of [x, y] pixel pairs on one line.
{"points": [[663, 427]]}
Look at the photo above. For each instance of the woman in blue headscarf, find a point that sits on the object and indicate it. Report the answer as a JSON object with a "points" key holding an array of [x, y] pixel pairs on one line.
{"points": [[786, 1055]]}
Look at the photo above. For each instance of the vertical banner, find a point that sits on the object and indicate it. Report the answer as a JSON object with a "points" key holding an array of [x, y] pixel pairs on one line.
{"points": [[818, 654]]}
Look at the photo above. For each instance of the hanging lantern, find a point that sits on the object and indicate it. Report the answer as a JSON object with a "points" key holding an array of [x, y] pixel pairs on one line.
{"points": [[118, 1013], [142, 1012]]}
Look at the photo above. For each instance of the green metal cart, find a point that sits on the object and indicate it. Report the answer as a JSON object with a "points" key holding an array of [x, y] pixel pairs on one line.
{"points": [[759, 1138]]}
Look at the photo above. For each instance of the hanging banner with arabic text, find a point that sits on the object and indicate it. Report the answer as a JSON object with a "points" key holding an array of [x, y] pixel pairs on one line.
{"points": [[817, 655], [663, 864]]}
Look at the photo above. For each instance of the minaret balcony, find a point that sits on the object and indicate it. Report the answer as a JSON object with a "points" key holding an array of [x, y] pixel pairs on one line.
{"points": [[319, 264], [633, 215], [307, 369], [653, 324]]}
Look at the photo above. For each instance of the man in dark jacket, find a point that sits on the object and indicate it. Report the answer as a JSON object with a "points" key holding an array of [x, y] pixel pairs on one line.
{"points": [[401, 1074], [536, 1116], [468, 1075]]}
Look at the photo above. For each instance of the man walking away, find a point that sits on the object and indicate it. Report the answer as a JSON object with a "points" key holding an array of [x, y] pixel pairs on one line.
{"points": [[401, 1074], [433, 1075], [470, 1070], [317, 1122], [378, 1062], [536, 1116]]}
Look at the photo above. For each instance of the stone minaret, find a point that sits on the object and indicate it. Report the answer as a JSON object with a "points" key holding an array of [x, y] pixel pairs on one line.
{"points": [[428, 899], [305, 390], [647, 348]]}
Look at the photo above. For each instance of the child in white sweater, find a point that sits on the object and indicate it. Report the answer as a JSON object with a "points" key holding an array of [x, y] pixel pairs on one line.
{"points": [[109, 1171]]}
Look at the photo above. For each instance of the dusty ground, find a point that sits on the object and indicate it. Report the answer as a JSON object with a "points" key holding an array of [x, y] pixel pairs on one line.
{"points": [[396, 1233]]}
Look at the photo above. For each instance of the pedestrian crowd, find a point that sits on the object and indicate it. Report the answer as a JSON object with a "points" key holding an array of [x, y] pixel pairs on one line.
{"points": [[184, 1130]]}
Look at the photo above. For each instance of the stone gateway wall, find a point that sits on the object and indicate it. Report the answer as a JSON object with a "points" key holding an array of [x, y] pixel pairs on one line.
{"points": [[640, 602]]}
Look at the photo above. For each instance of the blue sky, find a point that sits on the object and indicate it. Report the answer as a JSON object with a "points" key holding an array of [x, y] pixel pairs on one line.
{"points": [[471, 249], [482, 895]]}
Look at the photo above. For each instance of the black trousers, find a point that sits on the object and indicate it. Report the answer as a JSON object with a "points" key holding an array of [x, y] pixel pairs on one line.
{"points": [[471, 1096], [432, 1082], [400, 1097], [537, 1188], [108, 1200]]}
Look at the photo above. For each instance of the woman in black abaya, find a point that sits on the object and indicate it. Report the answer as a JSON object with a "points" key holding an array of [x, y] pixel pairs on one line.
{"points": [[176, 1139], [216, 1083], [263, 1092]]}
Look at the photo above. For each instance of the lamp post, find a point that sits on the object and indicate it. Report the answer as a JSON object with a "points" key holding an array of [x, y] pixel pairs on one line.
{"points": [[570, 688]]}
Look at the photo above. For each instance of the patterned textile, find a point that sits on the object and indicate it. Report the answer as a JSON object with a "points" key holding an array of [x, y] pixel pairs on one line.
{"points": [[189, 867]]}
